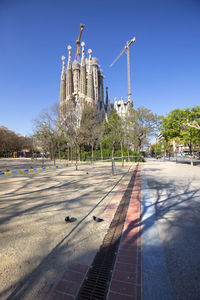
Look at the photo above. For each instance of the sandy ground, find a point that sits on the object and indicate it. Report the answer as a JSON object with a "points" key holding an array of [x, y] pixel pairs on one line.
{"points": [[175, 191], [36, 244]]}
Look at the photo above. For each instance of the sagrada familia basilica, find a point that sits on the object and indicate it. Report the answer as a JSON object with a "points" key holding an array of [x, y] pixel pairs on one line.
{"points": [[82, 82]]}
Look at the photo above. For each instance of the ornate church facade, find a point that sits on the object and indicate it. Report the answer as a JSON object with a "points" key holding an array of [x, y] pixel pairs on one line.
{"points": [[82, 82], [122, 107]]}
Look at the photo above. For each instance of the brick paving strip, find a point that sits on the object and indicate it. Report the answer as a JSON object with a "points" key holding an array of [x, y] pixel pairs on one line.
{"points": [[126, 279]]}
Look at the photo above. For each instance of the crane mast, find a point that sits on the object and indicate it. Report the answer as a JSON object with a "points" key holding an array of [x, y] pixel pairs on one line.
{"points": [[78, 42], [126, 48]]}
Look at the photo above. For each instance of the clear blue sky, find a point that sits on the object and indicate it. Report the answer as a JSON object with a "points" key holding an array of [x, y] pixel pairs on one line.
{"points": [[34, 34]]}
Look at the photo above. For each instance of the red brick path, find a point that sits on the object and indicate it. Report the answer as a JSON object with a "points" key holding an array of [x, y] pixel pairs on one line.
{"points": [[67, 288], [126, 278]]}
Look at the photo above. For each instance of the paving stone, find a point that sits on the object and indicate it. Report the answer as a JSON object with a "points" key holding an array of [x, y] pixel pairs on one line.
{"points": [[127, 259], [116, 296], [73, 276], [129, 277], [79, 268], [59, 296], [122, 287], [125, 267], [68, 287]]}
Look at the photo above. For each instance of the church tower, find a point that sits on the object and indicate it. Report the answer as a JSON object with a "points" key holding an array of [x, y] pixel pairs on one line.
{"points": [[101, 90], [90, 85], [63, 88], [69, 78], [82, 83], [95, 80], [83, 90]]}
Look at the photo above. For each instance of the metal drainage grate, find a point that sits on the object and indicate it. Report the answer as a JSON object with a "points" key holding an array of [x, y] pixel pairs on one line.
{"points": [[95, 286]]}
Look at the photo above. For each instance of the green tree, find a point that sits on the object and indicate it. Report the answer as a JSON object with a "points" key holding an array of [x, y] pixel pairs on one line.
{"points": [[142, 124], [175, 126]]}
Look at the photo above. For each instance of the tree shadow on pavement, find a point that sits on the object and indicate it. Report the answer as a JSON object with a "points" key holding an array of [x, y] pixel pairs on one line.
{"points": [[177, 208]]}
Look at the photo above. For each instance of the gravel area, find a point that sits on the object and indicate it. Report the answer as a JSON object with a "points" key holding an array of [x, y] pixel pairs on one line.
{"points": [[37, 245]]}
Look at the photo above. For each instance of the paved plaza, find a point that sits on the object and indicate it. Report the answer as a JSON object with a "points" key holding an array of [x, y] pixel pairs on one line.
{"points": [[38, 247], [36, 243]]}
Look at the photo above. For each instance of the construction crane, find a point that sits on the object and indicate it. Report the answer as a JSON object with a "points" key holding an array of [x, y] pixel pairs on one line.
{"points": [[78, 42], [126, 48]]}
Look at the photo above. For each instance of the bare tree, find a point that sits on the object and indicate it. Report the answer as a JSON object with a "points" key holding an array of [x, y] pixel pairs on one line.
{"points": [[90, 127], [70, 125], [46, 129]]}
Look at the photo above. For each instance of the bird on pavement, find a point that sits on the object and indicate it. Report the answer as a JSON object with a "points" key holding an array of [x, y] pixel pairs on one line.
{"points": [[97, 219], [67, 219]]}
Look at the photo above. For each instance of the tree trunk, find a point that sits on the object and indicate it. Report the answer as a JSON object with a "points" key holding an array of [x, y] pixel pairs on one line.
{"points": [[68, 153], [54, 154], [76, 157], [113, 151], [128, 154], [92, 153], [113, 172], [59, 153], [191, 160], [51, 152], [79, 154], [122, 154], [101, 151], [71, 154], [191, 154]]}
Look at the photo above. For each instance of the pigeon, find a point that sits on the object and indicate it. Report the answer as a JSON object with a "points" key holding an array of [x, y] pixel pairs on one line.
{"points": [[67, 219], [97, 219], [70, 220]]}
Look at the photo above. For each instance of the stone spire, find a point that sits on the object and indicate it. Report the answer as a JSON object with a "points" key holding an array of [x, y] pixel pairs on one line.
{"points": [[90, 61], [62, 87], [83, 73], [108, 106], [69, 79], [106, 96], [83, 53], [76, 76], [95, 79], [101, 89], [69, 63], [63, 68], [90, 86]]}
